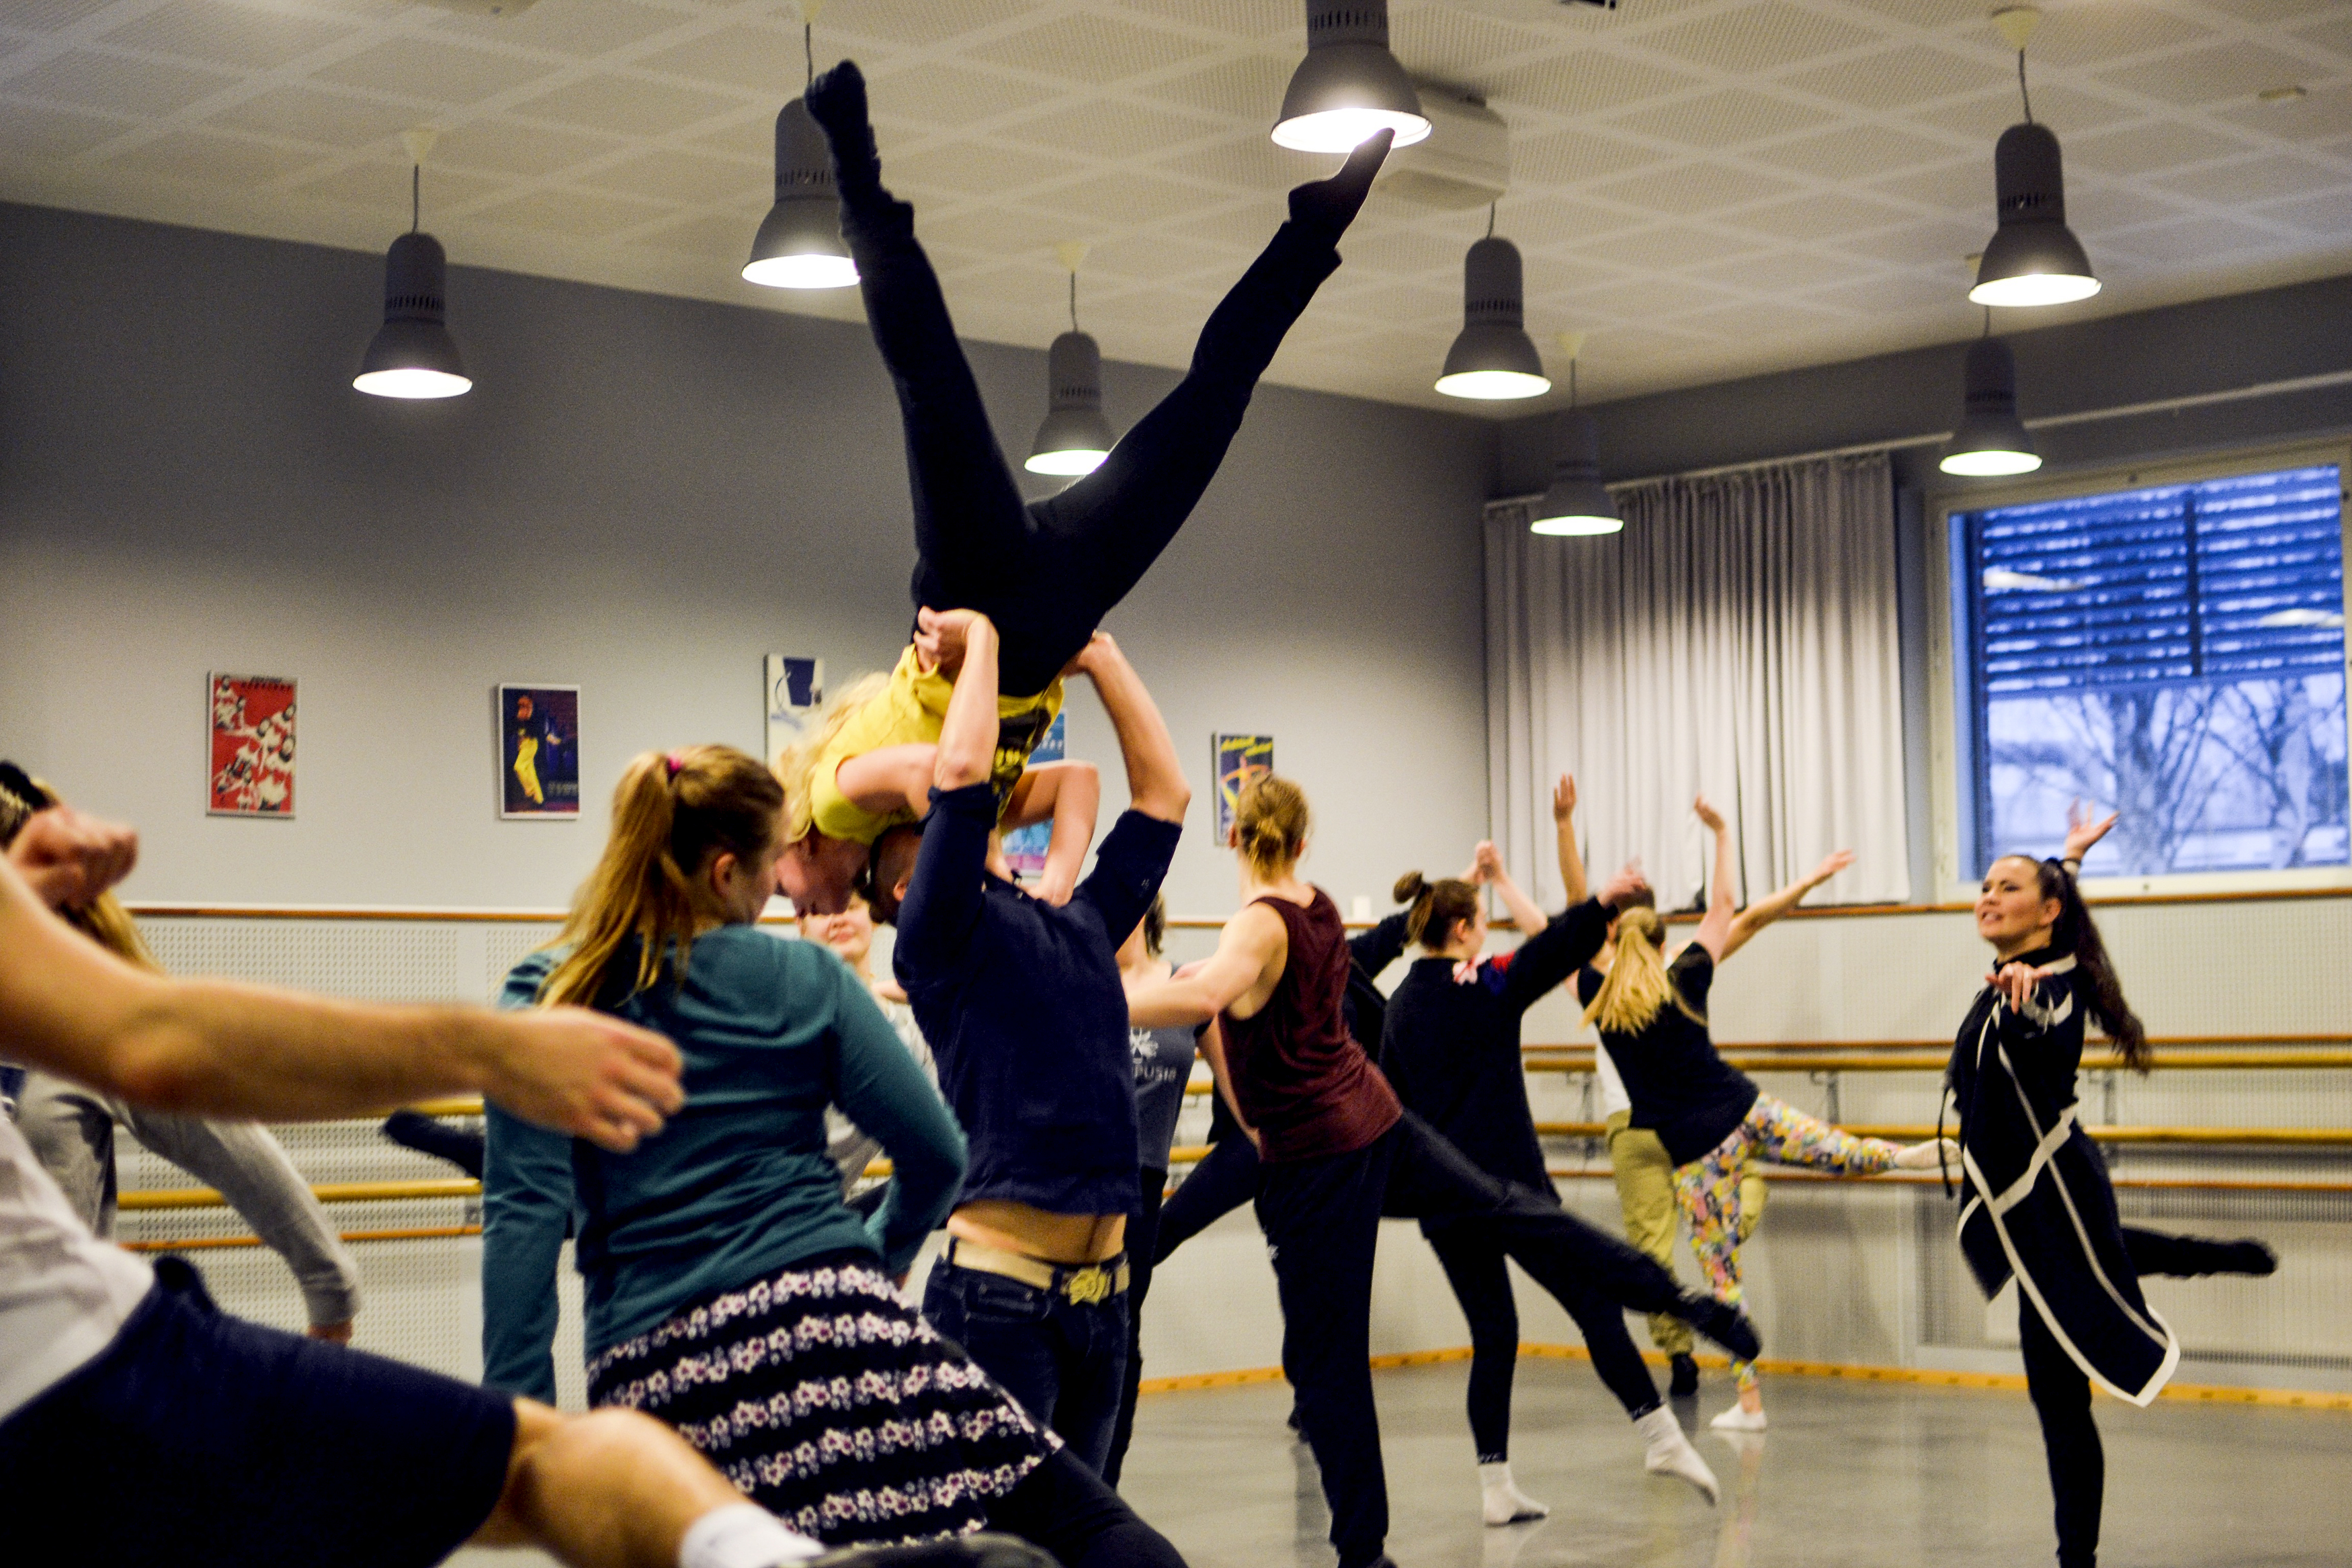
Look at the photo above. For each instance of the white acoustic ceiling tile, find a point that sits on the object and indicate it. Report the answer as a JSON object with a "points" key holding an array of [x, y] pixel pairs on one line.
{"points": [[1554, 275], [2271, 177], [2200, 239], [1684, 190], [37, 130], [1827, 215], [1757, 38], [1404, 302], [48, 15], [1095, 50], [2092, 35], [1777, 272], [1244, 223], [1856, 152], [2266, 10], [2215, 74], [383, 187], [962, 169], [2065, 110], [1442, 43], [1158, 253], [2093, 209], [1620, 344], [1733, 117], [120, 84], [1680, 246], [203, 158], [1936, 242], [998, 229], [1650, 299], [1400, 252], [1244, 165], [2328, 214], [666, 175], [1572, 156], [768, 60], [1962, 186], [2334, 34], [1567, 220], [920, 23], [505, 146], [2155, 145], [1102, 127], [1898, 77], [434, 71], [313, 114], [935, 92], [1925, 12], [751, 136], [2324, 116], [1118, 201], [1891, 293], [627, 106], [1751, 318], [722, 239], [584, 215], [1580, 82], [1239, 18], [1247, 90], [220, 33], [580, 29]]}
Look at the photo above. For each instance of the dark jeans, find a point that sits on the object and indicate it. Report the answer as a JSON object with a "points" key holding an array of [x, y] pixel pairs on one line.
{"points": [[1063, 1507], [1065, 1361], [1321, 1220], [1141, 1236], [1047, 571], [1216, 1186]]}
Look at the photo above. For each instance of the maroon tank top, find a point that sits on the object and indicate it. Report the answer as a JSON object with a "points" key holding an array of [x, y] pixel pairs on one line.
{"points": [[1302, 1080]]}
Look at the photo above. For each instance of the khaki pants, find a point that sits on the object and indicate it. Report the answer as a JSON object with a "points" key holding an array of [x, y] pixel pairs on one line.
{"points": [[1646, 1191]]}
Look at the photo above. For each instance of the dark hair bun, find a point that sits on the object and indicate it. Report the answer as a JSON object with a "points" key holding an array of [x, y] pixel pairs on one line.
{"points": [[1409, 887]]}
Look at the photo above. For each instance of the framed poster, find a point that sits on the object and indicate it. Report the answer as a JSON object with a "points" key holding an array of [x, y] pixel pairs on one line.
{"points": [[251, 762], [1239, 759], [538, 753], [1025, 848], [795, 690]]}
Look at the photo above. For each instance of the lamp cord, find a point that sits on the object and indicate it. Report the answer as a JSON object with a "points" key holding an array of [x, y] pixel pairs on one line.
{"points": [[808, 50], [1073, 300], [416, 197], [1490, 220], [1988, 332], [2021, 93], [1572, 386]]}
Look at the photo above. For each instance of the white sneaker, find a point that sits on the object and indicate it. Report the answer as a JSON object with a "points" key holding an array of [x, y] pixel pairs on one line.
{"points": [[1738, 1419], [1935, 1154], [1502, 1501], [1669, 1453]]}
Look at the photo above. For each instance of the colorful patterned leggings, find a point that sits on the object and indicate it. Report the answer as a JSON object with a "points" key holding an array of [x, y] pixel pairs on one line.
{"points": [[1709, 1185]]}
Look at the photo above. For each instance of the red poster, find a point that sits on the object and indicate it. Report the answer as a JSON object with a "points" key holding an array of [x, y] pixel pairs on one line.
{"points": [[252, 747]]}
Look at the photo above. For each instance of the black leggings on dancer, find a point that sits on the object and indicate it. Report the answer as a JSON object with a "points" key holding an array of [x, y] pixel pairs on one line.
{"points": [[1061, 1506], [1321, 1220], [1047, 572], [2062, 1392]]}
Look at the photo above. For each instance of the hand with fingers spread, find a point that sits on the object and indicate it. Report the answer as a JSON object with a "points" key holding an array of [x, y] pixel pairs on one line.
{"points": [[2083, 831], [584, 1073], [1831, 867], [1563, 797], [2016, 983], [1707, 815], [68, 858], [1627, 882]]}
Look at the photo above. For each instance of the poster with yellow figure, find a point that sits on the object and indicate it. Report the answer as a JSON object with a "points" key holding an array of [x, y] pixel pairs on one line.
{"points": [[1240, 759], [539, 752]]}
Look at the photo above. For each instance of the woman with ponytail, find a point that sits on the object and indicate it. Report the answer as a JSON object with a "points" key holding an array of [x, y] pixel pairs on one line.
{"points": [[1338, 1152], [725, 1276], [1452, 1052], [2039, 1204], [1714, 1121]]}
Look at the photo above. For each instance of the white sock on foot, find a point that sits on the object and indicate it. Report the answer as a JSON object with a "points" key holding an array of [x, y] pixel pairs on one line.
{"points": [[1669, 1453], [743, 1535], [1739, 1419], [1505, 1502], [1935, 1153]]}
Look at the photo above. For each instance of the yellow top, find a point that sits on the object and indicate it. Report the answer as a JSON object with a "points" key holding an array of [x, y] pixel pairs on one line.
{"points": [[911, 709]]}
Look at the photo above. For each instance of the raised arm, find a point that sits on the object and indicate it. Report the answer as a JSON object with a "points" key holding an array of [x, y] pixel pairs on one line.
{"points": [[1240, 973], [1563, 821], [2083, 831], [1714, 925], [1487, 866], [967, 750], [1155, 779], [1069, 796], [1765, 911], [1567, 943]]}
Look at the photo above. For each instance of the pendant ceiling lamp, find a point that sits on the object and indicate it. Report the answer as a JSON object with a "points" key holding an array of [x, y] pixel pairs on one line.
{"points": [[2034, 257], [1577, 502], [1075, 437], [1492, 357], [413, 354], [799, 244], [1991, 439], [1349, 85]]}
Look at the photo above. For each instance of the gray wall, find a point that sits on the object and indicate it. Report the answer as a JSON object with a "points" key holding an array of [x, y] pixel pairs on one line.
{"points": [[642, 496]]}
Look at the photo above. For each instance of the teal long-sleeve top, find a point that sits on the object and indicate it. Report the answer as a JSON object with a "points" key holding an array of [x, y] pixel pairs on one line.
{"points": [[738, 1185]]}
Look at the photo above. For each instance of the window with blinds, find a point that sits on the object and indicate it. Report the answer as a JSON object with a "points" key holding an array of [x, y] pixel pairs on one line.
{"points": [[2174, 654]]}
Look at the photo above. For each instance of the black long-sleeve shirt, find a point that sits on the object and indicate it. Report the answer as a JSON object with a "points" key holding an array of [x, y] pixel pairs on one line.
{"points": [[1451, 1047]]}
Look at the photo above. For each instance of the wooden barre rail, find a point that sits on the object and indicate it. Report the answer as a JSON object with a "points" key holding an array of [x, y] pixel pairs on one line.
{"points": [[1945, 1046], [2285, 1137], [1574, 1061]]}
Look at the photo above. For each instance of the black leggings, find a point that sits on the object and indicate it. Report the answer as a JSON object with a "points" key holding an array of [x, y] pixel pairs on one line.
{"points": [[1064, 1508], [1214, 1188], [1046, 572], [1142, 1236], [1321, 1220], [2062, 1390]]}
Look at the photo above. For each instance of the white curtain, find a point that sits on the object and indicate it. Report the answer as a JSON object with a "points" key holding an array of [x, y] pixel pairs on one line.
{"points": [[1738, 637]]}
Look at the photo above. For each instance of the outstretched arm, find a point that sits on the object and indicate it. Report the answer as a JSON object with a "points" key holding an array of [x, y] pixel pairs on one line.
{"points": [[1765, 911], [1486, 867], [1155, 779], [1563, 821], [2083, 831], [1241, 973], [1714, 925], [1069, 796]]}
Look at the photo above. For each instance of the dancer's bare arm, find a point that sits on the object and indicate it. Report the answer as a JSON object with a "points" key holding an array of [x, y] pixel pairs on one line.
{"points": [[1486, 868], [1722, 904], [1069, 796], [1155, 778], [1239, 977], [1765, 911], [1572, 859], [889, 777], [967, 748], [1212, 1047]]}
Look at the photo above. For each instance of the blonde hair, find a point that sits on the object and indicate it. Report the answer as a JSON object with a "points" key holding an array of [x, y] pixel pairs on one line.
{"points": [[795, 765], [671, 812], [1637, 987], [1270, 823], [103, 920]]}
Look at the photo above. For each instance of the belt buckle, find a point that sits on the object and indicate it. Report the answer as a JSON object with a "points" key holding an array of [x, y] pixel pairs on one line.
{"points": [[1088, 1285]]}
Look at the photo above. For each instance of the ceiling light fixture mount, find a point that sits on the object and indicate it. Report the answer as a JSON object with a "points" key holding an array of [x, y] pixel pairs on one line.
{"points": [[1349, 85], [413, 354], [2034, 257], [1492, 358], [1075, 437], [1577, 503], [799, 244]]}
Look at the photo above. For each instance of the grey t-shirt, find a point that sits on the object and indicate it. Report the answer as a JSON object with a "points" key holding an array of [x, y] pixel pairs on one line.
{"points": [[1163, 1065]]}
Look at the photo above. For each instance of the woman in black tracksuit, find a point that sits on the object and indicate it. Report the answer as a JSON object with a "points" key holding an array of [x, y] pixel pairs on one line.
{"points": [[2080, 1312], [1451, 1049]]}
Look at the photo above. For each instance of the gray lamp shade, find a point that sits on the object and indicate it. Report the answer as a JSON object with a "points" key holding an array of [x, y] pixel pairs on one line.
{"points": [[1075, 437], [1492, 357], [414, 355], [1991, 439], [2034, 257], [1577, 502], [799, 244], [1349, 85]]}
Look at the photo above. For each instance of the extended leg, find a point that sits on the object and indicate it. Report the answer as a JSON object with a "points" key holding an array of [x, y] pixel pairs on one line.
{"points": [[1061, 1506], [1781, 1132], [2187, 1257], [1482, 1285], [1709, 1190], [1216, 1186], [2070, 1438]]}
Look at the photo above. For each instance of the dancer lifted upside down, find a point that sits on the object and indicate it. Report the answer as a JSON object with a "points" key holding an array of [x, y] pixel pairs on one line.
{"points": [[2051, 1220], [1711, 1118], [1043, 573], [1339, 1152]]}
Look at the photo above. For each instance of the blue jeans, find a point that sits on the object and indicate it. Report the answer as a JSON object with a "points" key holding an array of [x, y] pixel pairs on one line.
{"points": [[1065, 1361]]}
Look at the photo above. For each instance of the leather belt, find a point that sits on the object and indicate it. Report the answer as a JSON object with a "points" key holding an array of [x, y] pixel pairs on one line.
{"points": [[1080, 1283]]}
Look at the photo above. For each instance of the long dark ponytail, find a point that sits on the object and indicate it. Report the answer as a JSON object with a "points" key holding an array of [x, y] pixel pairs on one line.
{"points": [[2078, 933]]}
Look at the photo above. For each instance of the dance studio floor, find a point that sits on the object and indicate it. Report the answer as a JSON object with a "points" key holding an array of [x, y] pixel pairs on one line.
{"points": [[1850, 1476]]}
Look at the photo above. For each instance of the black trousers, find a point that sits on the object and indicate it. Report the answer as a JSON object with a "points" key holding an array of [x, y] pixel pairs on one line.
{"points": [[1321, 1220], [1046, 572], [1215, 1188], [1142, 1229], [1061, 1506]]}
